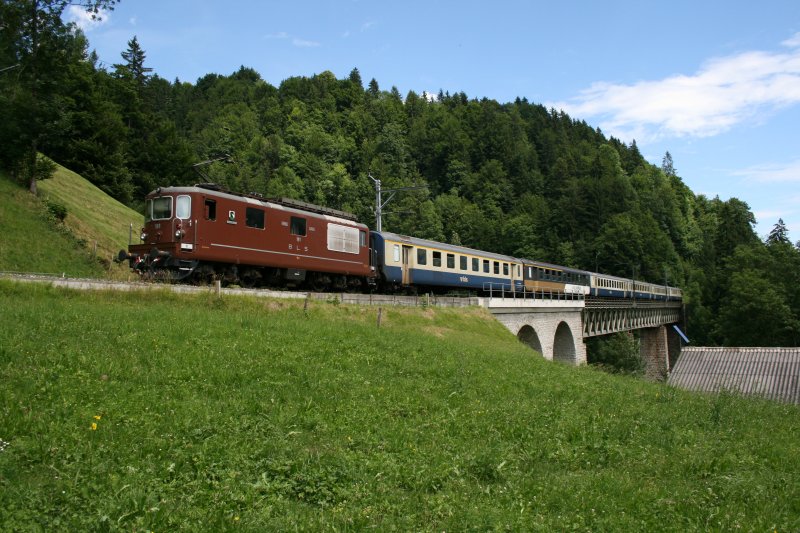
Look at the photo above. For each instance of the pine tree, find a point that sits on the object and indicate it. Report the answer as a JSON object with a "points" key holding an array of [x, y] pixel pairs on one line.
{"points": [[667, 166], [779, 234], [134, 67]]}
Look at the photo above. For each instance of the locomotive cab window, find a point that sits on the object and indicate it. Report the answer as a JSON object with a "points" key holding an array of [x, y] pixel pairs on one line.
{"points": [[160, 208], [210, 209], [298, 226], [254, 218], [183, 207]]}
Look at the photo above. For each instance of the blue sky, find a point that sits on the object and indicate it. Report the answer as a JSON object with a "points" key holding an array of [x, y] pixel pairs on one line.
{"points": [[715, 83]]}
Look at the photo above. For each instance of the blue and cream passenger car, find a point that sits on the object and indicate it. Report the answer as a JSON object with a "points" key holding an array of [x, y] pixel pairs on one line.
{"points": [[406, 261], [610, 286]]}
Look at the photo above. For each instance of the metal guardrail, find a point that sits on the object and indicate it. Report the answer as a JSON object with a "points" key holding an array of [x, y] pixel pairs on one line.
{"points": [[496, 290]]}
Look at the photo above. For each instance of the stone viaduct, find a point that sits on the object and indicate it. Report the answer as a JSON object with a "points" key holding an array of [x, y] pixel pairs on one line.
{"points": [[558, 328]]}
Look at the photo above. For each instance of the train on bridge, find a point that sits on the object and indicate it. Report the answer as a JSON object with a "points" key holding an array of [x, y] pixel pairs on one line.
{"points": [[201, 233]]}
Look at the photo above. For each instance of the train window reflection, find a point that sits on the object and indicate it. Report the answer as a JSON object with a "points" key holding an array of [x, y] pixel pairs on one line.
{"points": [[183, 207], [162, 208]]}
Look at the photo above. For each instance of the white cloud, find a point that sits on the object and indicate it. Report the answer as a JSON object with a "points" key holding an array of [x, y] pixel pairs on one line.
{"points": [[83, 19], [772, 173], [723, 93], [302, 43], [279, 35]]}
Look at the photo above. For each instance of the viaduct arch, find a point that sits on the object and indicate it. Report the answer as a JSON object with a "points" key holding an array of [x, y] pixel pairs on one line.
{"points": [[555, 333]]}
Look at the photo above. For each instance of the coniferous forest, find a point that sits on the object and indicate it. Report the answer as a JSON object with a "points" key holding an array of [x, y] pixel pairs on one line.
{"points": [[513, 178]]}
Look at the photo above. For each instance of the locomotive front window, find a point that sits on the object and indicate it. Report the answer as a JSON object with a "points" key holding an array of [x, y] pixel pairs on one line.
{"points": [[183, 207], [162, 208]]}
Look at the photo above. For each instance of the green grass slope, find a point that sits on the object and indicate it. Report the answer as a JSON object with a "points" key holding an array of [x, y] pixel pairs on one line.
{"points": [[31, 242], [158, 412], [92, 215], [96, 228]]}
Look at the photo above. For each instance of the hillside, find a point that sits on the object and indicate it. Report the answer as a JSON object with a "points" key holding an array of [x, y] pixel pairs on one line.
{"points": [[93, 216], [34, 242], [162, 412]]}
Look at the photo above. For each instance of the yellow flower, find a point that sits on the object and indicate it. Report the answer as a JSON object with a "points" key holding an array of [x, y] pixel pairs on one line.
{"points": [[97, 417], [94, 426]]}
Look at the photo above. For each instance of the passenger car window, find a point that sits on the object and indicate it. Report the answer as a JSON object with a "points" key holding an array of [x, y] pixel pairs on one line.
{"points": [[451, 261], [422, 256], [437, 259]]}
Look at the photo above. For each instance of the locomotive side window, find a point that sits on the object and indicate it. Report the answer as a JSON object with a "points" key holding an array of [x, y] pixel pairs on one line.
{"points": [[211, 209], [362, 238], [298, 226], [437, 259], [183, 207], [254, 218], [422, 256], [162, 208]]}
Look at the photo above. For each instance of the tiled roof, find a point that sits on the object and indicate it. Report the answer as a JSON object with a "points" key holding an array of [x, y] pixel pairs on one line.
{"points": [[772, 373]]}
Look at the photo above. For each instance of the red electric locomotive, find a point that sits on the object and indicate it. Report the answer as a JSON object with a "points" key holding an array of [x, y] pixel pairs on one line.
{"points": [[204, 232]]}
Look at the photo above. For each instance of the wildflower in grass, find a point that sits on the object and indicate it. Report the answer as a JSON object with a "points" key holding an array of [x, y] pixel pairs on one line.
{"points": [[97, 417], [94, 426]]}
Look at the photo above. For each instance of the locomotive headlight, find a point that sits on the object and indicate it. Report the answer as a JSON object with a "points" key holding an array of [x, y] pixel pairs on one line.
{"points": [[178, 234], [143, 236]]}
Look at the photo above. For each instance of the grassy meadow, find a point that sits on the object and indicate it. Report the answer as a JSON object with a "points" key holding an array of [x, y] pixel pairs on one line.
{"points": [[159, 412]]}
